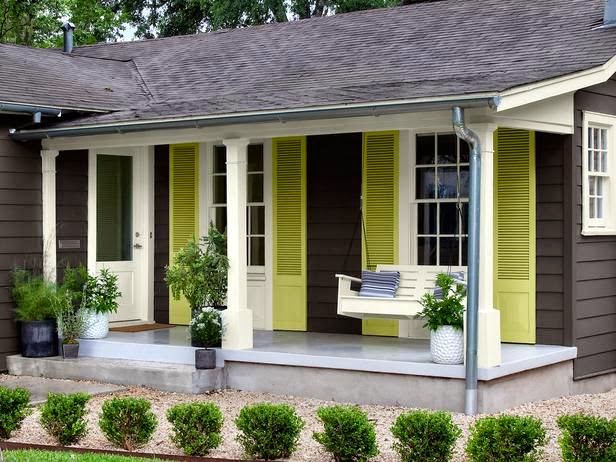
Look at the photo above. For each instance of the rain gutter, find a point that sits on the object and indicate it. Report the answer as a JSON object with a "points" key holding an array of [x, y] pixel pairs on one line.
{"points": [[35, 111], [282, 116]]}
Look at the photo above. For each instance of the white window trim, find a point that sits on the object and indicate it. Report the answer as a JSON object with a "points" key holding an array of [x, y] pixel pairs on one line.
{"points": [[607, 225]]}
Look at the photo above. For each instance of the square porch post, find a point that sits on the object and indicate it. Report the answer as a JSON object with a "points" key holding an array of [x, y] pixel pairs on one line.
{"points": [[237, 319], [48, 187], [489, 340]]}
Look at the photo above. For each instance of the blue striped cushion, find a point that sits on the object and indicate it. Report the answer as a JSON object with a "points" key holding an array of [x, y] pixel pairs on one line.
{"points": [[381, 284]]}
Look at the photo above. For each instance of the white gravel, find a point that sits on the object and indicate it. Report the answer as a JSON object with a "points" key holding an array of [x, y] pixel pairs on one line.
{"points": [[231, 402]]}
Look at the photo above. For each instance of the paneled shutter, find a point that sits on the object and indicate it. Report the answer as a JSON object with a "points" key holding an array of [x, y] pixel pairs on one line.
{"points": [[380, 211], [515, 234], [289, 251], [183, 212]]}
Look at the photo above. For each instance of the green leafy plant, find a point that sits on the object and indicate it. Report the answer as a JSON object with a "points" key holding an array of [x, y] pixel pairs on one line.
{"points": [[447, 310], [14, 408], [586, 438], [102, 293], [206, 327], [71, 320], [196, 427], [75, 280], [425, 436], [64, 417], [127, 422], [348, 434], [199, 271], [506, 439], [34, 297], [269, 431]]}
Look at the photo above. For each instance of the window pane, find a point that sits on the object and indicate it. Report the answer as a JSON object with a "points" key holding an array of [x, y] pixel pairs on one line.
{"points": [[464, 217], [596, 139], [465, 180], [464, 152], [604, 139], [220, 189], [426, 219], [257, 219], [256, 256], [465, 253], [425, 149], [591, 185], [449, 252], [449, 219], [591, 208], [447, 182], [425, 183], [447, 149], [591, 166], [596, 164], [220, 159], [426, 251], [220, 218], [255, 188], [255, 157], [604, 162], [599, 207], [114, 208]]}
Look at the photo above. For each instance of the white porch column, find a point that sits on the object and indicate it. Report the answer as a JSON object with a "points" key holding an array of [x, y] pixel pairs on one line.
{"points": [[489, 344], [237, 317], [48, 170]]}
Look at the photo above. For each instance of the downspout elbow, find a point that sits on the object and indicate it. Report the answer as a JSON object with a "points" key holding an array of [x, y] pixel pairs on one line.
{"points": [[463, 131]]}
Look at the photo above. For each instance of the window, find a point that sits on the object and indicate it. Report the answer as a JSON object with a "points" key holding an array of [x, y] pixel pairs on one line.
{"points": [[255, 210], [441, 198], [598, 172]]}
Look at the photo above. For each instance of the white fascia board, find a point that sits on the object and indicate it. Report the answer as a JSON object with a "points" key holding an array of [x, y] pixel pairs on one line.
{"points": [[527, 94]]}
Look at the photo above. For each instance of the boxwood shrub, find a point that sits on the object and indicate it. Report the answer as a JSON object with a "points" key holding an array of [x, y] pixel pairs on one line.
{"points": [[268, 431], [425, 436], [347, 434], [127, 422], [506, 438], [64, 417], [14, 407], [196, 427], [587, 438]]}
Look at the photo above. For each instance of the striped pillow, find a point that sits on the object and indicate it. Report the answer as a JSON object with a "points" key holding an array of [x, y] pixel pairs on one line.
{"points": [[379, 284]]}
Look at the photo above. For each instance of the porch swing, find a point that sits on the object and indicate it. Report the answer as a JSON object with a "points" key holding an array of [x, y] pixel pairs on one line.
{"points": [[415, 281]]}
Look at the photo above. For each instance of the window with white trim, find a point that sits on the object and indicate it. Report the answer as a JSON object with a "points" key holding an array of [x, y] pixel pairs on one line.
{"points": [[441, 198], [255, 210], [598, 190]]}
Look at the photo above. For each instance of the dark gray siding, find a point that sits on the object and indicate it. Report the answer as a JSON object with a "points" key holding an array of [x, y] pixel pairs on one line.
{"points": [[594, 267], [20, 224], [161, 233], [72, 209], [550, 238]]}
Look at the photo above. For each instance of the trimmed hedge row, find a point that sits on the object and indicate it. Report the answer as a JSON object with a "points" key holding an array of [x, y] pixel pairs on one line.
{"points": [[270, 431]]}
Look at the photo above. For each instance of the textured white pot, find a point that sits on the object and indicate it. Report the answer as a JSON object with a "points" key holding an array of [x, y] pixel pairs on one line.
{"points": [[97, 325], [447, 345]]}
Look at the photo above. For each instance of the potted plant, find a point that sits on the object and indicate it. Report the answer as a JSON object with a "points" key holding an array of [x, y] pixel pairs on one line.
{"points": [[71, 321], [100, 298], [34, 300], [443, 312]]}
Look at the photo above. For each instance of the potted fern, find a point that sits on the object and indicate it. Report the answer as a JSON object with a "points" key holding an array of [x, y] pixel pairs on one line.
{"points": [[443, 312]]}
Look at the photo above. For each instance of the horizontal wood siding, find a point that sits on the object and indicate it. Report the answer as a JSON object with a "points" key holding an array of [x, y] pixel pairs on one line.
{"points": [[594, 259], [550, 239], [161, 233], [20, 223]]}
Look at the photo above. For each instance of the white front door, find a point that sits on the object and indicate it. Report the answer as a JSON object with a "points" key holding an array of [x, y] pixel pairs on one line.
{"points": [[120, 224]]}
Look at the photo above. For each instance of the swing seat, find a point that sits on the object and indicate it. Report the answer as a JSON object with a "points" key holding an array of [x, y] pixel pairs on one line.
{"points": [[415, 281]]}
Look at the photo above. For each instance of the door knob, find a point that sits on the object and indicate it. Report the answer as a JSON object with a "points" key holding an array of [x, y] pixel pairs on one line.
{"points": [[138, 246]]}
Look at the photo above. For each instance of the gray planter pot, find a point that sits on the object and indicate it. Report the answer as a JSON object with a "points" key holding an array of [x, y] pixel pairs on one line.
{"points": [[39, 339], [205, 358], [70, 350]]}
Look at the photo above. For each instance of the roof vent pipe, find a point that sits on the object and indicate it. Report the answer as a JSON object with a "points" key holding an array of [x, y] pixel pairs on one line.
{"points": [[609, 16], [68, 29]]}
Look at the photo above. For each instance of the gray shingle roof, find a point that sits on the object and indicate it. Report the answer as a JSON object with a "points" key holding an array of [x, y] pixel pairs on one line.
{"points": [[448, 47]]}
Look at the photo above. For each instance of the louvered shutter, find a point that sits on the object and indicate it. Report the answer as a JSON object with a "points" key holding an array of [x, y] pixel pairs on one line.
{"points": [[289, 251], [515, 234], [183, 212], [380, 211]]}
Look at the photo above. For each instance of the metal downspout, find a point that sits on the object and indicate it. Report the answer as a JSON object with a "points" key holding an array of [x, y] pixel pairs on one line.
{"points": [[468, 135]]}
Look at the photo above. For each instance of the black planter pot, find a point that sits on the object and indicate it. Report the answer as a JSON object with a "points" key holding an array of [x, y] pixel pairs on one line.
{"points": [[205, 359], [70, 350], [39, 339]]}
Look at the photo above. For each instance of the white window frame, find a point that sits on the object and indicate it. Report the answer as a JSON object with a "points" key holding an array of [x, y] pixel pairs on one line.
{"points": [[607, 224]]}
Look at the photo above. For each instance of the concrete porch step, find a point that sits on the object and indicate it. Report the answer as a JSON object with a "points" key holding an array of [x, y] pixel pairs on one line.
{"points": [[180, 378]]}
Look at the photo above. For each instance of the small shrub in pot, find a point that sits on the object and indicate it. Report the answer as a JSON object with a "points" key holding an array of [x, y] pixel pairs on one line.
{"points": [[506, 438], [425, 436], [347, 434], [127, 422], [14, 408], [64, 417], [269, 431], [196, 427], [586, 438]]}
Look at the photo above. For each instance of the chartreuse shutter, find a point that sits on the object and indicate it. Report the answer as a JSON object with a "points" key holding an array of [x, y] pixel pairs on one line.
{"points": [[380, 212], [289, 250], [515, 234], [183, 212]]}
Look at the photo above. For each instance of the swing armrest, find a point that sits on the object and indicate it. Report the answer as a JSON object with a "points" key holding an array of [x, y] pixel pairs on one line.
{"points": [[344, 285], [349, 278]]}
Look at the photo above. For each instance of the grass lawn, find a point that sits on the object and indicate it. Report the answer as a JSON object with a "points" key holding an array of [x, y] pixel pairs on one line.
{"points": [[50, 456]]}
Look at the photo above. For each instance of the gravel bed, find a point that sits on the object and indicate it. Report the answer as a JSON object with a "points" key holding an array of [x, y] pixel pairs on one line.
{"points": [[231, 402]]}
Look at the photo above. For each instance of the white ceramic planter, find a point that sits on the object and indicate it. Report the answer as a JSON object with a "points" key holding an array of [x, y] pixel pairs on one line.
{"points": [[97, 325], [447, 345]]}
